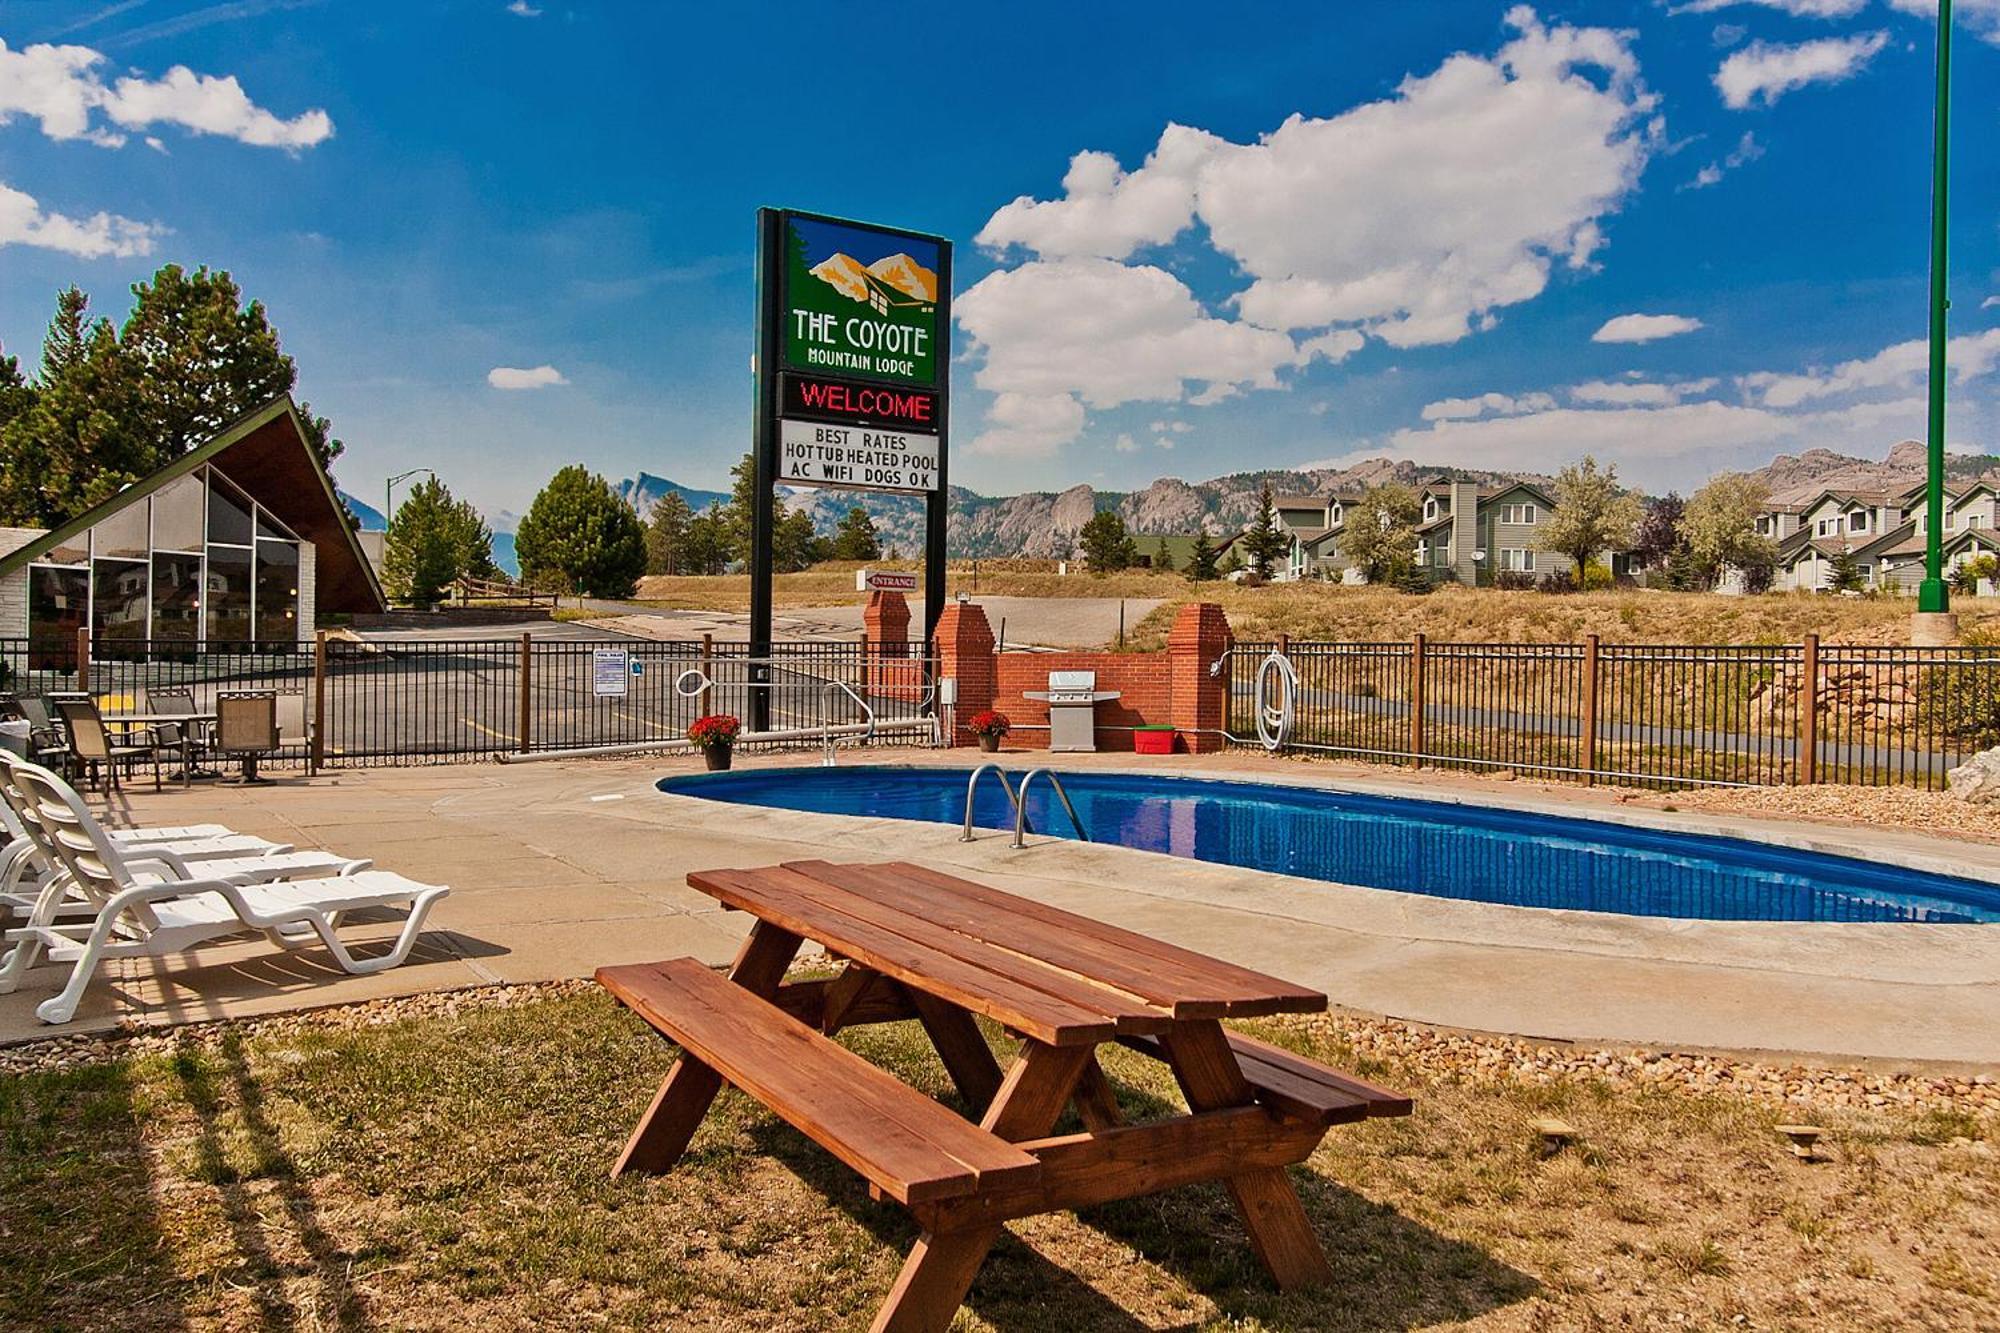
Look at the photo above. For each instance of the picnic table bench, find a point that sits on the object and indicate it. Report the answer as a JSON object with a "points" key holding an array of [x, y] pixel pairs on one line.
{"points": [[920, 944]]}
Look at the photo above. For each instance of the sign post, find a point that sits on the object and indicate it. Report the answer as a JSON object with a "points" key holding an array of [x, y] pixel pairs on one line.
{"points": [[853, 385]]}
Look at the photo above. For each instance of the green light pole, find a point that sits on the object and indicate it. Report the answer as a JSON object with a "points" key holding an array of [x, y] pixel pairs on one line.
{"points": [[1934, 596]]}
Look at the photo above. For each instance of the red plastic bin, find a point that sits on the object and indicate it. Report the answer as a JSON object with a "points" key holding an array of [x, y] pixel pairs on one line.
{"points": [[1153, 740]]}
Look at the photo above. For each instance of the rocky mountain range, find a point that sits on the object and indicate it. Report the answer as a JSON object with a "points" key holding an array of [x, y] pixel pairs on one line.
{"points": [[1044, 524]]}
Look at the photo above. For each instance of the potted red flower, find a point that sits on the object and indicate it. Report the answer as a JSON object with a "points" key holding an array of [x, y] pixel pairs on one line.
{"points": [[715, 736], [989, 725]]}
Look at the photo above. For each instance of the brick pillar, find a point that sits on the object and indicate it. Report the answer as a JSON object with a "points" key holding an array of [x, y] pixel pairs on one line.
{"points": [[885, 629], [1200, 702], [887, 623], [964, 648]]}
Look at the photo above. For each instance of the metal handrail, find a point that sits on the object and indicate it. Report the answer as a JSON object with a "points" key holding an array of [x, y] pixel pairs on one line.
{"points": [[972, 785], [826, 716], [1021, 807]]}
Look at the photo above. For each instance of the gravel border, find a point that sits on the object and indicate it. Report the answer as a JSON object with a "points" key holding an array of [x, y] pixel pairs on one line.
{"points": [[1452, 1057]]}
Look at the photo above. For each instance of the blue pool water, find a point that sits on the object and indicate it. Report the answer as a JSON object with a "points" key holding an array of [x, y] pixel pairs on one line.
{"points": [[1428, 847]]}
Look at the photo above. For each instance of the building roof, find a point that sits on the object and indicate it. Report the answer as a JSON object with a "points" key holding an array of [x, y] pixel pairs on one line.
{"points": [[1299, 501], [266, 453]]}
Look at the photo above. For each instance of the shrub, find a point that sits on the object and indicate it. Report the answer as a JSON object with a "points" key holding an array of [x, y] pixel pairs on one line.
{"points": [[1513, 580], [1962, 701], [1597, 576], [1559, 580]]}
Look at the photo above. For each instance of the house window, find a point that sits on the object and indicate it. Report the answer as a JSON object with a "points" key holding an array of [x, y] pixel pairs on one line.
{"points": [[1764, 524], [1523, 514], [1517, 560], [58, 601], [1975, 520], [1857, 521], [1430, 510]]}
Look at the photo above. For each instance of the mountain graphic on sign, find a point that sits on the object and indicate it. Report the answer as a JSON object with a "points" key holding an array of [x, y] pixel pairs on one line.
{"points": [[892, 281], [844, 274], [907, 276]]}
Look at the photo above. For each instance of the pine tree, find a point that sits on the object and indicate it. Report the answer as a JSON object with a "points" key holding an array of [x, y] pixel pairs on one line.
{"points": [[1163, 559], [1846, 573], [1107, 547], [580, 536], [795, 546], [1201, 560], [856, 539], [667, 534], [433, 540], [76, 444], [1265, 541], [201, 357]]}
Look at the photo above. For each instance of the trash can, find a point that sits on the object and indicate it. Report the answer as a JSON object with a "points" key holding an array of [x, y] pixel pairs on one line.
{"points": [[1152, 740]]}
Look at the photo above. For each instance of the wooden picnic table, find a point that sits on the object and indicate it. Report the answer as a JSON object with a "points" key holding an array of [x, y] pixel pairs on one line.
{"points": [[916, 943]]}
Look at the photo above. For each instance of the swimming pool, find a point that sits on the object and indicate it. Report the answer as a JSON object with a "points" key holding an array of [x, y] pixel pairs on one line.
{"points": [[1436, 848]]}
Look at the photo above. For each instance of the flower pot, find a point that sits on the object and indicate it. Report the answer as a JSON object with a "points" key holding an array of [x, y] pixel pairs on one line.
{"points": [[717, 757], [990, 744]]}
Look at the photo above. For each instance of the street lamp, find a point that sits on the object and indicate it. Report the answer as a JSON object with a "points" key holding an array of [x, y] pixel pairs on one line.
{"points": [[389, 486], [1934, 596]]}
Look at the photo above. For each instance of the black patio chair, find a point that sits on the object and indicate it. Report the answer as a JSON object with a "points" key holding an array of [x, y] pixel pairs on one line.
{"points": [[95, 752]]}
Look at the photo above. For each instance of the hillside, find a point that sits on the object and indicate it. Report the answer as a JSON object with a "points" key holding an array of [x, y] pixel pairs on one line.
{"points": [[1044, 524]]}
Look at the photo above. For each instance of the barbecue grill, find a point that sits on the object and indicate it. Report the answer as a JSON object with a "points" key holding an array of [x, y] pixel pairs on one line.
{"points": [[1072, 697]]}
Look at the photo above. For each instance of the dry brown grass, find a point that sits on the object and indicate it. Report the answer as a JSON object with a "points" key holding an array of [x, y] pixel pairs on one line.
{"points": [[1332, 611], [450, 1173]]}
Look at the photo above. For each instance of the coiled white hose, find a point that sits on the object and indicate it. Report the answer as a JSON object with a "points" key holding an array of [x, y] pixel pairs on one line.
{"points": [[1275, 719]]}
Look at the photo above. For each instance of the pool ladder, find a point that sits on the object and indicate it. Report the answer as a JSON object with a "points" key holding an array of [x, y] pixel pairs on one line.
{"points": [[1018, 797]]}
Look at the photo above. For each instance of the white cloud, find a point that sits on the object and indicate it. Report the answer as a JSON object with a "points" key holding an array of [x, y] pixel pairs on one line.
{"points": [[1108, 333], [1981, 18], [1644, 328], [1163, 442], [1022, 425], [1989, 303], [1637, 393], [1337, 229], [1747, 150], [61, 88], [1810, 9], [1765, 71], [1903, 365], [522, 9], [23, 221], [1177, 427], [536, 377], [1105, 211], [1485, 405], [1125, 444]]}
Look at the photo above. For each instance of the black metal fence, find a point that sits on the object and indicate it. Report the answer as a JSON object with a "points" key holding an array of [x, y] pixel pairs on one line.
{"points": [[347, 702], [1661, 715]]}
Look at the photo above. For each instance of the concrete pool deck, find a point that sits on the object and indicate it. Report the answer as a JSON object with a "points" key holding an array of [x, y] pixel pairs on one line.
{"points": [[560, 867]]}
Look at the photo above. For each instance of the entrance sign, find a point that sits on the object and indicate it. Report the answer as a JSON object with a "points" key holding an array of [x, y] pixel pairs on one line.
{"points": [[856, 458], [608, 667], [853, 385], [888, 580]]}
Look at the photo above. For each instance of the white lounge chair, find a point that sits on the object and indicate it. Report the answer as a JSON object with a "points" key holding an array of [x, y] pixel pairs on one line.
{"points": [[151, 903], [25, 869]]}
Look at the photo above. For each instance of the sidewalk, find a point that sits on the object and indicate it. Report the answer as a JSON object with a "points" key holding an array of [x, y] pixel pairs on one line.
{"points": [[558, 868]]}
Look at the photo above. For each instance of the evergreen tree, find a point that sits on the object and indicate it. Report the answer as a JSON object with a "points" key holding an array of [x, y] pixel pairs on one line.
{"points": [[433, 540], [706, 549], [201, 358], [1265, 540], [1163, 559], [856, 539], [1201, 560], [77, 442], [580, 536], [737, 516], [667, 535], [1106, 545], [795, 546], [1846, 573]]}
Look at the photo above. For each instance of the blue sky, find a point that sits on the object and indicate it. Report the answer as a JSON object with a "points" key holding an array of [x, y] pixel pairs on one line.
{"points": [[501, 238]]}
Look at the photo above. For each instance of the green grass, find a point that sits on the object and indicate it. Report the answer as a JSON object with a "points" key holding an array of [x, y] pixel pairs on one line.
{"points": [[451, 1173]]}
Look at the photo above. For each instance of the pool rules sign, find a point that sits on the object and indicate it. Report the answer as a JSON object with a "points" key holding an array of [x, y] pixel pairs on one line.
{"points": [[853, 386]]}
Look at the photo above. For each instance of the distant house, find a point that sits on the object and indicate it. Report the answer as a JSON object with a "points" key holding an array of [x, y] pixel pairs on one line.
{"points": [[1885, 534], [240, 541]]}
